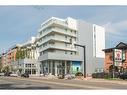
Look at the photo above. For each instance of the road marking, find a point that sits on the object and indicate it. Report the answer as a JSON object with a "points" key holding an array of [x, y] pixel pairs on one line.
{"points": [[63, 84]]}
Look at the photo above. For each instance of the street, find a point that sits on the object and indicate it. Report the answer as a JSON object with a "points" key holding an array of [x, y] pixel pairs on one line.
{"points": [[37, 83]]}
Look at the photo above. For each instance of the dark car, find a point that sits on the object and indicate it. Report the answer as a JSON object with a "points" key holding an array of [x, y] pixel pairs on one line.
{"points": [[123, 76], [7, 73], [26, 75]]}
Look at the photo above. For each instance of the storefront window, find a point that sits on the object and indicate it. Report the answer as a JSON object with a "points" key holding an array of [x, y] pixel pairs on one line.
{"points": [[33, 71]]}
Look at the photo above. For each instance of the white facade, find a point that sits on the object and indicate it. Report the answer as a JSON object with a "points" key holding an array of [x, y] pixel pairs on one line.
{"points": [[55, 50], [98, 40], [29, 63]]}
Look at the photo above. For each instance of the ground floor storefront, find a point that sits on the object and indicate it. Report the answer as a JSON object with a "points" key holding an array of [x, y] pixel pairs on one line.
{"points": [[25, 66], [58, 67]]}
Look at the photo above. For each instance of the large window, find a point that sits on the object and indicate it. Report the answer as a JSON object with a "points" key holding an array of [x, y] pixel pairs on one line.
{"points": [[33, 71], [28, 71]]}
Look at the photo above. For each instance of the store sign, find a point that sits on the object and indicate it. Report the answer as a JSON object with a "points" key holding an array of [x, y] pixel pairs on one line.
{"points": [[118, 55], [124, 56], [118, 63]]}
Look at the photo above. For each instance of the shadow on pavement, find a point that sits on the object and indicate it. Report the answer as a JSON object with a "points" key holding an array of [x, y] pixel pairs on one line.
{"points": [[12, 87]]}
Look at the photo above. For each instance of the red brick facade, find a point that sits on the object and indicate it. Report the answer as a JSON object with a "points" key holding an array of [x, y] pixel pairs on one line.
{"points": [[109, 57]]}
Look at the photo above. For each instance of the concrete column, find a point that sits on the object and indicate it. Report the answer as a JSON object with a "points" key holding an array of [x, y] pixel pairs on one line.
{"points": [[38, 68], [41, 68], [24, 67], [71, 67], [48, 65], [51, 66], [55, 68], [65, 67]]}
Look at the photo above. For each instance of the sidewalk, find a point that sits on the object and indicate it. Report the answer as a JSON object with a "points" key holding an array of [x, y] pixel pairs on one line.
{"points": [[118, 81], [44, 77], [89, 79]]}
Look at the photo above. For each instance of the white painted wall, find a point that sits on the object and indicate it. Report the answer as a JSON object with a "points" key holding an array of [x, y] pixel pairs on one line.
{"points": [[72, 23], [100, 41]]}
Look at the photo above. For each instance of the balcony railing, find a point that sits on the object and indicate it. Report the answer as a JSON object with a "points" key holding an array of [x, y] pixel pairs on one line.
{"points": [[60, 56], [55, 38], [57, 47], [53, 21], [58, 30]]}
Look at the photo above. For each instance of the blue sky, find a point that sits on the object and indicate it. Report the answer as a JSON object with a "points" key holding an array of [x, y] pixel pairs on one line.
{"points": [[18, 23]]}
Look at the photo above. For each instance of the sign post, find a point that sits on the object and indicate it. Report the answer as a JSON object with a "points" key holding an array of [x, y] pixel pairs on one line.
{"points": [[117, 60]]}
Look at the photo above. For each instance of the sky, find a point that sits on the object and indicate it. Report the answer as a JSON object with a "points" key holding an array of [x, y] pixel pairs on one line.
{"points": [[19, 23]]}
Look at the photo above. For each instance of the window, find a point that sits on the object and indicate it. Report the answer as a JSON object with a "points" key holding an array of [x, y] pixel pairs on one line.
{"points": [[45, 44], [33, 71], [75, 46], [75, 39], [51, 43], [71, 52], [41, 33], [75, 32], [66, 44], [41, 53]]}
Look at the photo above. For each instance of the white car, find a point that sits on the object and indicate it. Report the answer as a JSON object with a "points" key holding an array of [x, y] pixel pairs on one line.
{"points": [[14, 75], [1, 74], [69, 76]]}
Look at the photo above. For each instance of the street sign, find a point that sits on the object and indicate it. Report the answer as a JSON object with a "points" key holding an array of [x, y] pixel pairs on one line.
{"points": [[117, 55]]}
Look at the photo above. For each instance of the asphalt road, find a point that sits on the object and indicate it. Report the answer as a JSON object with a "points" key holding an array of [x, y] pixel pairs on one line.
{"points": [[33, 83]]}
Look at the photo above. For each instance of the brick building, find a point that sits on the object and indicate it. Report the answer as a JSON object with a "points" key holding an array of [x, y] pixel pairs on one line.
{"points": [[9, 56], [109, 58]]}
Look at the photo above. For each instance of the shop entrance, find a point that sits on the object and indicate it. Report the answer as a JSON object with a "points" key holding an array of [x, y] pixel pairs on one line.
{"points": [[61, 68]]}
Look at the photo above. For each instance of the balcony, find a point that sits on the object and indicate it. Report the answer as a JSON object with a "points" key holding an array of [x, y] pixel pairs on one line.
{"points": [[53, 22], [59, 56], [59, 31], [54, 38], [58, 47]]}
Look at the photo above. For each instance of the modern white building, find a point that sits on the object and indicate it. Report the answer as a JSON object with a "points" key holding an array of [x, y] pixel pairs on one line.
{"points": [[58, 56], [28, 63]]}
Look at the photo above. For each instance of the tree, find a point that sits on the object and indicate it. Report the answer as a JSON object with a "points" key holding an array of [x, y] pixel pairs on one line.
{"points": [[6, 69], [20, 54]]}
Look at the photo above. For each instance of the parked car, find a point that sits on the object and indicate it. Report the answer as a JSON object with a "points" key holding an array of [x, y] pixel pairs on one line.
{"points": [[26, 75], [1, 74], [7, 73], [69, 76], [14, 75], [123, 76]]}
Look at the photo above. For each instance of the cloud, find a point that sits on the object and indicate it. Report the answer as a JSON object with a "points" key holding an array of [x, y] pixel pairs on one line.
{"points": [[118, 29], [115, 33]]}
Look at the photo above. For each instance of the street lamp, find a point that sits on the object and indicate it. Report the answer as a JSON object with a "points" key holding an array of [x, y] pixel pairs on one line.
{"points": [[84, 53]]}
